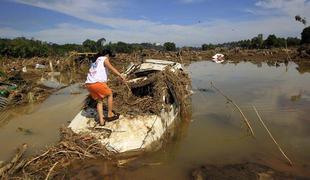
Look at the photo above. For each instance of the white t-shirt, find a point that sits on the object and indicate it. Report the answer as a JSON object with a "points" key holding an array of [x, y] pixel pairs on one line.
{"points": [[97, 71]]}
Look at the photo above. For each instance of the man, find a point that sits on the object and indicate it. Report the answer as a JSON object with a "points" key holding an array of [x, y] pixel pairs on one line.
{"points": [[96, 83]]}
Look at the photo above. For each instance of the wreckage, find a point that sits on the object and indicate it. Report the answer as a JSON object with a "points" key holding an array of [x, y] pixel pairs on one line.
{"points": [[155, 96]]}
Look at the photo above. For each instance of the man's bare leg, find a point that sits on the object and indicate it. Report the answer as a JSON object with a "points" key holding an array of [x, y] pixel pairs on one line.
{"points": [[110, 105], [100, 112]]}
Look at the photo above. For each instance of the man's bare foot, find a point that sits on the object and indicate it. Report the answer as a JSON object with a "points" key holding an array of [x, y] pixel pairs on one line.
{"points": [[102, 122], [111, 114]]}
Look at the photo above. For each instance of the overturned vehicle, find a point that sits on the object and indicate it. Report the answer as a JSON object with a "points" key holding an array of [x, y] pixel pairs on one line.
{"points": [[156, 95]]}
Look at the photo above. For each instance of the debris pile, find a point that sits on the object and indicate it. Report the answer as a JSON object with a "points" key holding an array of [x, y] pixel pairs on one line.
{"points": [[145, 96], [53, 161]]}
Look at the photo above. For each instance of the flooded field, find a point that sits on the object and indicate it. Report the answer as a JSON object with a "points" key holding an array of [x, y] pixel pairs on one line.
{"points": [[215, 134]]}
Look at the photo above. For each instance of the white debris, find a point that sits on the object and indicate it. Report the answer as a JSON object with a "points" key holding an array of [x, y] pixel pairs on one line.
{"points": [[218, 58], [39, 66]]}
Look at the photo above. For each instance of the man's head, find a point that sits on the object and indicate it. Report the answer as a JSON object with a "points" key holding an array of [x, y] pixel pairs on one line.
{"points": [[105, 52]]}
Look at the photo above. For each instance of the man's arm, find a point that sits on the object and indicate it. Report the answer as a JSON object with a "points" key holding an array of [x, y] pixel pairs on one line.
{"points": [[113, 69]]}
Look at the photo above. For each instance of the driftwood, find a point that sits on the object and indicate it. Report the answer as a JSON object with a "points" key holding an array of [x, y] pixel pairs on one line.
{"points": [[17, 167], [129, 89], [271, 136], [36, 158], [52, 162], [12, 164], [246, 121]]}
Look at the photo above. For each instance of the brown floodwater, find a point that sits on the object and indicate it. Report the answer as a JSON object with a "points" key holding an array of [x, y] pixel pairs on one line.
{"points": [[38, 124], [215, 135]]}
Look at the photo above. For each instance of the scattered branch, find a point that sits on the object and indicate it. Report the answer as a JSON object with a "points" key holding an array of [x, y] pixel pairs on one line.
{"points": [[49, 172], [271, 136], [246, 121]]}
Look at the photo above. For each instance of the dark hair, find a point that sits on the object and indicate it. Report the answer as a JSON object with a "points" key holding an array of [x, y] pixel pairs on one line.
{"points": [[103, 53]]}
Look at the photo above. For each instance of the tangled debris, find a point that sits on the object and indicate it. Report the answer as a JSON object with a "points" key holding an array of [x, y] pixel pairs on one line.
{"points": [[145, 95], [52, 162]]}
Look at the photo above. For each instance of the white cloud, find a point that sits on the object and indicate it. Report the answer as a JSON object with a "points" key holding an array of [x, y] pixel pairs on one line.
{"points": [[91, 10], [219, 31], [8, 32], [287, 7], [142, 30]]}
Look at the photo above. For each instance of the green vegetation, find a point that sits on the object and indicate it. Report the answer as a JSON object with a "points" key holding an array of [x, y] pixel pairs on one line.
{"points": [[305, 36], [258, 42], [170, 46], [26, 48], [206, 47]]}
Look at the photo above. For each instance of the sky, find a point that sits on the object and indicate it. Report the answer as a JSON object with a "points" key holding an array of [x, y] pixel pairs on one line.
{"points": [[185, 22]]}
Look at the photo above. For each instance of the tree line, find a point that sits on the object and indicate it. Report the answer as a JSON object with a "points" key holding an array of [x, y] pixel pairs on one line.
{"points": [[22, 47], [272, 41], [258, 42], [26, 48]]}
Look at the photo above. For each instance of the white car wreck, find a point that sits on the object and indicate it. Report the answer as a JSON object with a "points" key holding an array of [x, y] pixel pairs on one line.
{"points": [[139, 132]]}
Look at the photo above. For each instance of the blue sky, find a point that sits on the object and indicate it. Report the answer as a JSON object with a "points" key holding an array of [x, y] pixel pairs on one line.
{"points": [[186, 22]]}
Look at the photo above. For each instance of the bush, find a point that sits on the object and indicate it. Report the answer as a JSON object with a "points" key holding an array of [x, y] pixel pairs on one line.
{"points": [[292, 41], [206, 47], [170, 46], [271, 41], [90, 45]]}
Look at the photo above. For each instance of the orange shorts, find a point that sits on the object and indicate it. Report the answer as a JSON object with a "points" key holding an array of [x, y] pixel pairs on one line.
{"points": [[98, 90]]}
